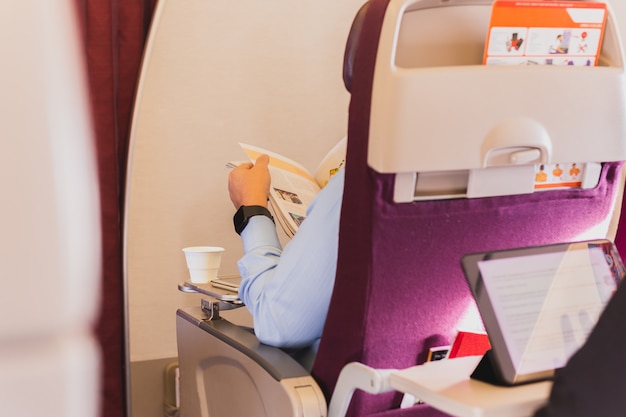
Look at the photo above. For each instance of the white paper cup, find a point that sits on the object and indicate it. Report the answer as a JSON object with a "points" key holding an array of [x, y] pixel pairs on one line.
{"points": [[203, 262]]}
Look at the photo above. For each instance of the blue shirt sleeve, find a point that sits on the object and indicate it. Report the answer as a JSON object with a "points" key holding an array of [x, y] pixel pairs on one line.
{"points": [[288, 290]]}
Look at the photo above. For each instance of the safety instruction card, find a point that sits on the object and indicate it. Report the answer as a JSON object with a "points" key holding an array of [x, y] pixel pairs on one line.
{"points": [[545, 32]]}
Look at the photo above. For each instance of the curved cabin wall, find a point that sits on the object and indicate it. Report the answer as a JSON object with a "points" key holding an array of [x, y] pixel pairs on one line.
{"points": [[215, 74]]}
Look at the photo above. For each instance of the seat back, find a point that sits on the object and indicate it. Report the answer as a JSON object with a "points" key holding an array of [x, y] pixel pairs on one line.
{"points": [[399, 288]]}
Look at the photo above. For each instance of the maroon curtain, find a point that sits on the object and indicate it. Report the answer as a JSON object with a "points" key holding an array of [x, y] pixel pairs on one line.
{"points": [[114, 33]]}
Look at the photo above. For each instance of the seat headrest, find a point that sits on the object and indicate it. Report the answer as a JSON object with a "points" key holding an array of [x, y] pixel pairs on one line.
{"points": [[351, 46]]}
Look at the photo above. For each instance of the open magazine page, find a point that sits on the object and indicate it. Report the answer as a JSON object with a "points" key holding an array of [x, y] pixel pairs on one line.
{"points": [[331, 163], [292, 189], [290, 195]]}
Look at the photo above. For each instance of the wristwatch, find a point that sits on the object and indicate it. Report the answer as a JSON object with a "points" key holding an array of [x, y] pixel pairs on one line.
{"points": [[241, 217]]}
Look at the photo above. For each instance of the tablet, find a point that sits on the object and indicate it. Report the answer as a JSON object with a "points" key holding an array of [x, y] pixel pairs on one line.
{"points": [[539, 304]]}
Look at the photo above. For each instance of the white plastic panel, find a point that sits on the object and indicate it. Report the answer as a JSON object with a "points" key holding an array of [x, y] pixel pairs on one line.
{"points": [[57, 377], [50, 244], [446, 111]]}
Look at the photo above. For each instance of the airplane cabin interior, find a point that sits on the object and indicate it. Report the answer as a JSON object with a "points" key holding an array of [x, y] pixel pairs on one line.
{"points": [[481, 222]]}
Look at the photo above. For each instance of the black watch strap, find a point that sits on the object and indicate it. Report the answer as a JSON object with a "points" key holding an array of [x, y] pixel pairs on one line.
{"points": [[242, 216]]}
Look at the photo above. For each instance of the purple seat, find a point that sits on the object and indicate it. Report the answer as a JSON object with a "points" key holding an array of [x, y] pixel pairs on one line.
{"points": [[399, 288]]}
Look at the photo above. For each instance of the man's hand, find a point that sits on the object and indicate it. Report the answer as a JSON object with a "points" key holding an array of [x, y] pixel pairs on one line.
{"points": [[249, 184]]}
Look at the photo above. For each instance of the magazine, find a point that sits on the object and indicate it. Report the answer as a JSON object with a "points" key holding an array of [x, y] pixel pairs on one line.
{"points": [[545, 33], [293, 187]]}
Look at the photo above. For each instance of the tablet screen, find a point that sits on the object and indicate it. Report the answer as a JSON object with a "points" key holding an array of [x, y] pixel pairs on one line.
{"points": [[541, 303]]}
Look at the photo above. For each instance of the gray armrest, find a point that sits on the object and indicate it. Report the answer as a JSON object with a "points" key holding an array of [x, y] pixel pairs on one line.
{"points": [[221, 364], [278, 363]]}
